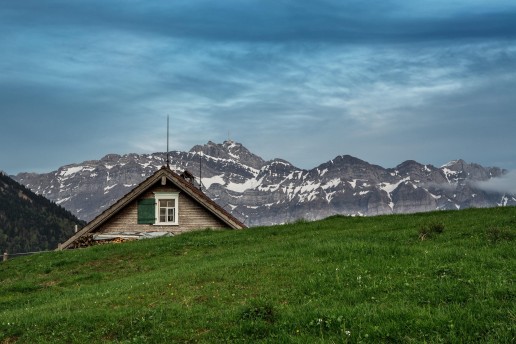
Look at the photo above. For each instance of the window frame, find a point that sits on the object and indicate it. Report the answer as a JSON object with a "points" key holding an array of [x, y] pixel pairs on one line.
{"points": [[159, 196]]}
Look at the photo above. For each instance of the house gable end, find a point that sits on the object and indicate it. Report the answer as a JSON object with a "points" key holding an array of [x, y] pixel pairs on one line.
{"points": [[196, 206]]}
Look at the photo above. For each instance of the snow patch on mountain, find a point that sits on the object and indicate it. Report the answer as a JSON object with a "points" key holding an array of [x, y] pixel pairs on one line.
{"points": [[208, 182], [331, 183], [449, 173], [109, 187], [70, 171], [241, 187], [389, 188]]}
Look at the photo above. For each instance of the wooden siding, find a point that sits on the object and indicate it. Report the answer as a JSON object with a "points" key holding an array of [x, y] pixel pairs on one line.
{"points": [[192, 216]]}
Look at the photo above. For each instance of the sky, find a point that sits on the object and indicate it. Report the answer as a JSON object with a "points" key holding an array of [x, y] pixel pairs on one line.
{"points": [[385, 81]]}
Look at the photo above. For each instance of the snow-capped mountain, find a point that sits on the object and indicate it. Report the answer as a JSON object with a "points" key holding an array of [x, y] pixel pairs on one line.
{"points": [[266, 192]]}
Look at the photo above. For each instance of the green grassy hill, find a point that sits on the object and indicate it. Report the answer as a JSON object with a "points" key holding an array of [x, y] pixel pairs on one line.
{"points": [[433, 277]]}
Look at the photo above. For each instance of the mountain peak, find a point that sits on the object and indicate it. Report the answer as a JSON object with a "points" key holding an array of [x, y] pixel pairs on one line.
{"points": [[454, 163], [344, 160], [230, 150], [411, 166]]}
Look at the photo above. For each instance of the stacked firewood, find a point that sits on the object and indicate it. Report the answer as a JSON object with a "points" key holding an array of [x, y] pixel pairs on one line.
{"points": [[87, 241], [83, 241], [113, 241]]}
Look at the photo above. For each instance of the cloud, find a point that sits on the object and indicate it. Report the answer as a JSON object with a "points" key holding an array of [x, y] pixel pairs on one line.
{"points": [[305, 81], [503, 184], [328, 21]]}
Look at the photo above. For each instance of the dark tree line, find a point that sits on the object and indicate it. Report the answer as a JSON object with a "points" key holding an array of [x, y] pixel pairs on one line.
{"points": [[30, 222]]}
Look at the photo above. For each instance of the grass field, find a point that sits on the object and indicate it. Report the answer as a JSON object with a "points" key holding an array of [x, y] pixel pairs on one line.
{"points": [[443, 277]]}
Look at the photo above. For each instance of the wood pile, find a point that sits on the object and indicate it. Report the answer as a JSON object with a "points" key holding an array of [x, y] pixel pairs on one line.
{"points": [[87, 241], [83, 241], [118, 240]]}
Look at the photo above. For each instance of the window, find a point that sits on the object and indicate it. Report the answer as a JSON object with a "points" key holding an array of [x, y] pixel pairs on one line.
{"points": [[160, 210], [167, 208]]}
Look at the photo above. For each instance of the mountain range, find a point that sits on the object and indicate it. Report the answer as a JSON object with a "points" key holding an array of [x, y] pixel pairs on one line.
{"points": [[261, 192]]}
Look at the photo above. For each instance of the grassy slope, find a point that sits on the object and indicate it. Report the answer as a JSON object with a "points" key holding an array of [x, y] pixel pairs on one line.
{"points": [[337, 280]]}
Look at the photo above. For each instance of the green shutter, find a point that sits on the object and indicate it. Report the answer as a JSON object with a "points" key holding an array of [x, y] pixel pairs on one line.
{"points": [[146, 211]]}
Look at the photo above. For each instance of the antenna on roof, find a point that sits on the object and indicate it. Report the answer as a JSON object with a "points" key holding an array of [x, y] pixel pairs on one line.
{"points": [[168, 157], [200, 171]]}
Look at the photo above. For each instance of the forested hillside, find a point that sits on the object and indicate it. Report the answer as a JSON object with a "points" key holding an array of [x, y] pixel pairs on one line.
{"points": [[29, 222]]}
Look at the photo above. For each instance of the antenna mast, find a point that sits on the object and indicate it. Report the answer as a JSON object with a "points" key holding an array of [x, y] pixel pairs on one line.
{"points": [[200, 171], [168, 157]]}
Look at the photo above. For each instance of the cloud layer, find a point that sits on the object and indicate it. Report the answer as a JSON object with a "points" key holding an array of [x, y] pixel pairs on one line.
{"points": [[504, 184], [428, 80]]}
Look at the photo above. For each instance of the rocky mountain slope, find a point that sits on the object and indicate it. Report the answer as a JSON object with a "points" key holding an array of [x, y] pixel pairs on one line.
{"points": [[30, 222], [266, 192]]}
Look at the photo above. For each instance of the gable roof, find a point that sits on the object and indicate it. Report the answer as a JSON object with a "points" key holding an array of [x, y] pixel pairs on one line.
{"points": [[179, 182]]}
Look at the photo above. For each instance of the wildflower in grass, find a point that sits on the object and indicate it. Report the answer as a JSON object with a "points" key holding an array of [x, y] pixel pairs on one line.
{"points": [[347, 333]]}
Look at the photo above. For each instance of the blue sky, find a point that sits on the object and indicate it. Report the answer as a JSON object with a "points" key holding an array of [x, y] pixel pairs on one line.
{"points": [[385, 81]]}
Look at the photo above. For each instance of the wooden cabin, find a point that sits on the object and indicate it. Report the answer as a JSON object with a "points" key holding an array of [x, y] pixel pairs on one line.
{"points": [[164, 204]]}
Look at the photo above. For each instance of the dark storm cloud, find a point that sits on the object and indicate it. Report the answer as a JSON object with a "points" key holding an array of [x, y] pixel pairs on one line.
{"points": [[267, 21]]}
